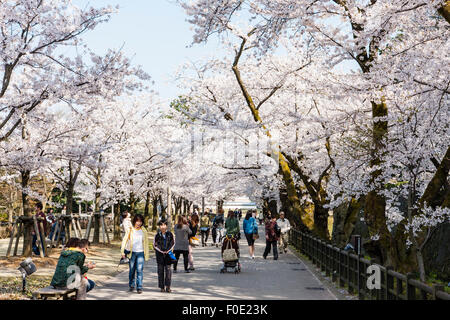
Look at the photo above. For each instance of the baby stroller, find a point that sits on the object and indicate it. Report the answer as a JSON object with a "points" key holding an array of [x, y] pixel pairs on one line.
{"points": [[230, 260]]}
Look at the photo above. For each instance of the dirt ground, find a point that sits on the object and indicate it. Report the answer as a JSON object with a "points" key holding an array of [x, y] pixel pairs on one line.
{"points": [[106, 257]]}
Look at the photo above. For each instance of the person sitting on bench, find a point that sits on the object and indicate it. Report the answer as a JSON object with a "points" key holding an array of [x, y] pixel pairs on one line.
{"points": [[73, 255]]}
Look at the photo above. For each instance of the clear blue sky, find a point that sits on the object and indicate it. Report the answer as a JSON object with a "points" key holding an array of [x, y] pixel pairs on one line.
{"points": [[155, 35]]}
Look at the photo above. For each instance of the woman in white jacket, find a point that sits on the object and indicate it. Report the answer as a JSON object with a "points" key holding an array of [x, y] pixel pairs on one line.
{"points": [[135, 245], [285, 226]]}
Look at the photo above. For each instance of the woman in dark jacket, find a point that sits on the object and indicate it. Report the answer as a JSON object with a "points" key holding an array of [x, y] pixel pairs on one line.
{"points": [[164, 242], [193, 225], [182, 233], [271, 237]]}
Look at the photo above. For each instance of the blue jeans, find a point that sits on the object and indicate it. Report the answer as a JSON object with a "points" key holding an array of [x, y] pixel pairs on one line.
{"points": [[90, 286], [34, 245], [52, 230], [136, 270]]}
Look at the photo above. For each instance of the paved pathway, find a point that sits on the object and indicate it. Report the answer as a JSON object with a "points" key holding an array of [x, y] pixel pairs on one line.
{"points": [[287, 278]]}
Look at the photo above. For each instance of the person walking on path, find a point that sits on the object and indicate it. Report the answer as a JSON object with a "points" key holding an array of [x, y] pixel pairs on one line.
{"points": [[251, 232], [135, 244], [219, 222], [232, 224], [285, 226], [260, 217], [51, 219], [193, 225], [182, 232], [126, 222], [236, 213], [214, 231], [39, 214], [271, 237], [163, 244], [204, 228]]}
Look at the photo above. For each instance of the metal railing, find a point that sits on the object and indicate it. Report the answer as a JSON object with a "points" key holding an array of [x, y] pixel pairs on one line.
{"points": [[349, 270]]}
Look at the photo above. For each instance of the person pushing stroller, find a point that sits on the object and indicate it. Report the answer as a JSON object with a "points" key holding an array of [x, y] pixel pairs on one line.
{"points": [[231, 241]]}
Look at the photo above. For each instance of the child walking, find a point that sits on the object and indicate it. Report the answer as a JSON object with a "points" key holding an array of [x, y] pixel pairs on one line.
{"points": [[163, 244]]}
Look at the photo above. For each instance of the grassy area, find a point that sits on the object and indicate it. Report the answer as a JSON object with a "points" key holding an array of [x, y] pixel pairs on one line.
{"points": [[106, 256], [11, 287]]}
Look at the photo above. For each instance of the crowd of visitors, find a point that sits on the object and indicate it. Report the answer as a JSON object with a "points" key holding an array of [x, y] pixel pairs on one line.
{"points": [[168, 246]]}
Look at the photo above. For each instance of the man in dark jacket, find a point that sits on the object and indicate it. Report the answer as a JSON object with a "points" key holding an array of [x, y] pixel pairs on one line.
{"points": [[271, 238], [39, 214], [163, 243]]}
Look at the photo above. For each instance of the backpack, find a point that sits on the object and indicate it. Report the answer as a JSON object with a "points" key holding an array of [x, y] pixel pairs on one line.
{"points": [[219, 220], [277, 230]]}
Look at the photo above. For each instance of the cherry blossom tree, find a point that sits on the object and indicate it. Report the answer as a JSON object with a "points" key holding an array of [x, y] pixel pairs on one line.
{"points": [[373, 112]]}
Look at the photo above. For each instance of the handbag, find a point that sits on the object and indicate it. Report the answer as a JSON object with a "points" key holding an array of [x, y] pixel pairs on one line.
{"points": [[123, 261], [194, 241], [172, 256], [277, 230], [229, 254], [255, 232]]}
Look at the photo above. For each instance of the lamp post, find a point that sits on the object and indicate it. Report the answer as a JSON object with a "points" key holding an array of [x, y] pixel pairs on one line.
{"points": [[27, 268]]}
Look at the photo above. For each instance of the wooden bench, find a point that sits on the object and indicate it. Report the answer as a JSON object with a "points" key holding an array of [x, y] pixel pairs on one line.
{"points": [[50, 292]]}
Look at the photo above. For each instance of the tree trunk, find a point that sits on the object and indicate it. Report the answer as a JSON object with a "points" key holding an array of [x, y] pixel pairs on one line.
{"points": [[219, 205], [155, 213], [132, 204], [292, 195], [321, 221], [283, 166], [69, 198], [163, 211], [438, 180], [132, 196], [344, 220], [272, 204], [177, 202], [147, 209], [27, 212], [97, 220], [117, 231], [185, 207], [375, 206], [445, 11], [169, 209]]}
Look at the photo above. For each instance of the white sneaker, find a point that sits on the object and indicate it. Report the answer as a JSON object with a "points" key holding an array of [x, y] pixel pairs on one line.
{"points": [[253, 257]]}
